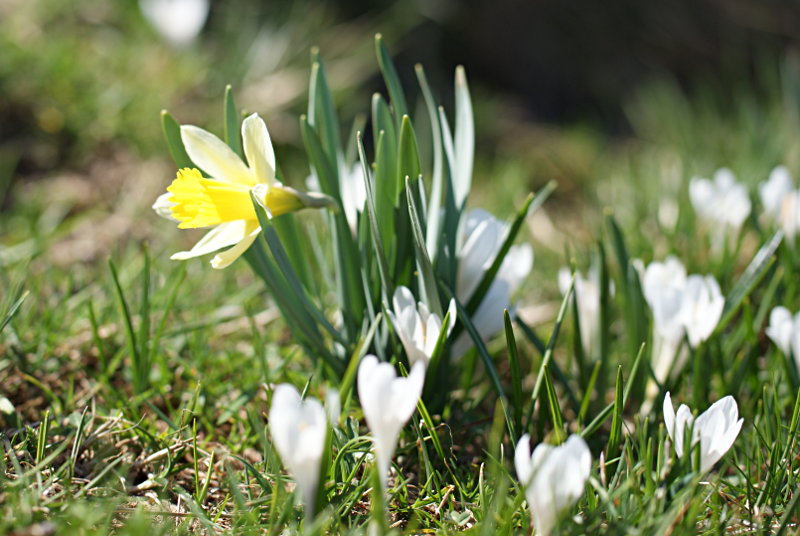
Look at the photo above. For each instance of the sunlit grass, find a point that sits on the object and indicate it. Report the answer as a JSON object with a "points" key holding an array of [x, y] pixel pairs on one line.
{"points": [[136, 392]]}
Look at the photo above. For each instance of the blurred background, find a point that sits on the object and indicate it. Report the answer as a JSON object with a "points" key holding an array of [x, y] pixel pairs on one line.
{"points": [[598, 96]]}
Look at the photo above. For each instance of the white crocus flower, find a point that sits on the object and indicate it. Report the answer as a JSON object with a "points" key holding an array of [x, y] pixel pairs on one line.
{"points": [[781, 201], [722, 200], [417, 328], [715, 429], [178, 21], [722, 203], [298, 429], [775, 189], [223, 202], [663, 285], [388, 401], [784, 330], [587, 300], [701, 308], [681, 305], [480, 240], [554, 478]]}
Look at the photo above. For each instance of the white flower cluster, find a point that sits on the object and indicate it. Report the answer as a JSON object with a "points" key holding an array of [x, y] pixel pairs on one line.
{"points": [[681, 305]]}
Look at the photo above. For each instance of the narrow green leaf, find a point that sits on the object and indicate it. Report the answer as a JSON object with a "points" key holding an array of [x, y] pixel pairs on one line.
{"points": [[435, 371], [172, 134], [383, 121], [360, 351], [489, 275], [616, 423], [604, 342], [488, 363], [322, 113], [391, 79], [588, 390], [551, 399], [12, 311], [464, 143], [435, 202], [754, 272], [386, 194], [383, 265], [516, 372], [347, 259], [408, 154], [41, 440], [143, 366], [128, 323], [289, 273], [618, 241], [320, 163], [423, 261], [601, 417], [548, 354], [232, 130], [303, 327]]}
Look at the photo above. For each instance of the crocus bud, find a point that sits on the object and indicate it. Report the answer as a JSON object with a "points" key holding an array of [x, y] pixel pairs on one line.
{"points": [[388, 402], [701, 308], [298, 429], [784, 330], [554, 478]]}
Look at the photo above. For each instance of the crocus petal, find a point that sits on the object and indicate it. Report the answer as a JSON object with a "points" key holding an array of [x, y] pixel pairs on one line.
{"points": [[476, 257], [669, 416], [298, 428], [258, 148], [780, 328], [522, 460], [554, 478], [416, 327], [564, 279], [225, 258], [223, 235], [388, 402], [775, 189], [516, 266], [715, 429], [701, 308], [718, 428], [215, 157], [403, 299], [683, 420]]}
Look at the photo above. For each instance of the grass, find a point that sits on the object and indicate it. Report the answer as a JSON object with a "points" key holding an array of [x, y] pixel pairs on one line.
{"points": [[134, 390]]}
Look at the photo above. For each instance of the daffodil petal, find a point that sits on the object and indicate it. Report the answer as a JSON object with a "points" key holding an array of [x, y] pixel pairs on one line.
{"points": [[225, 258], [223, 235], [258, 148], [214, 156], [163, 206]]}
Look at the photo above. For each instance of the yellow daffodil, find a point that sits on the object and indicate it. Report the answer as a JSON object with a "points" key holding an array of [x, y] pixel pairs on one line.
{"points": [[223, 201]]}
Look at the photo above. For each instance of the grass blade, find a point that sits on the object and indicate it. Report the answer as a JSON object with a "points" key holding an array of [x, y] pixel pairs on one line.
{"points": [[754, 272], [516, 373]]}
